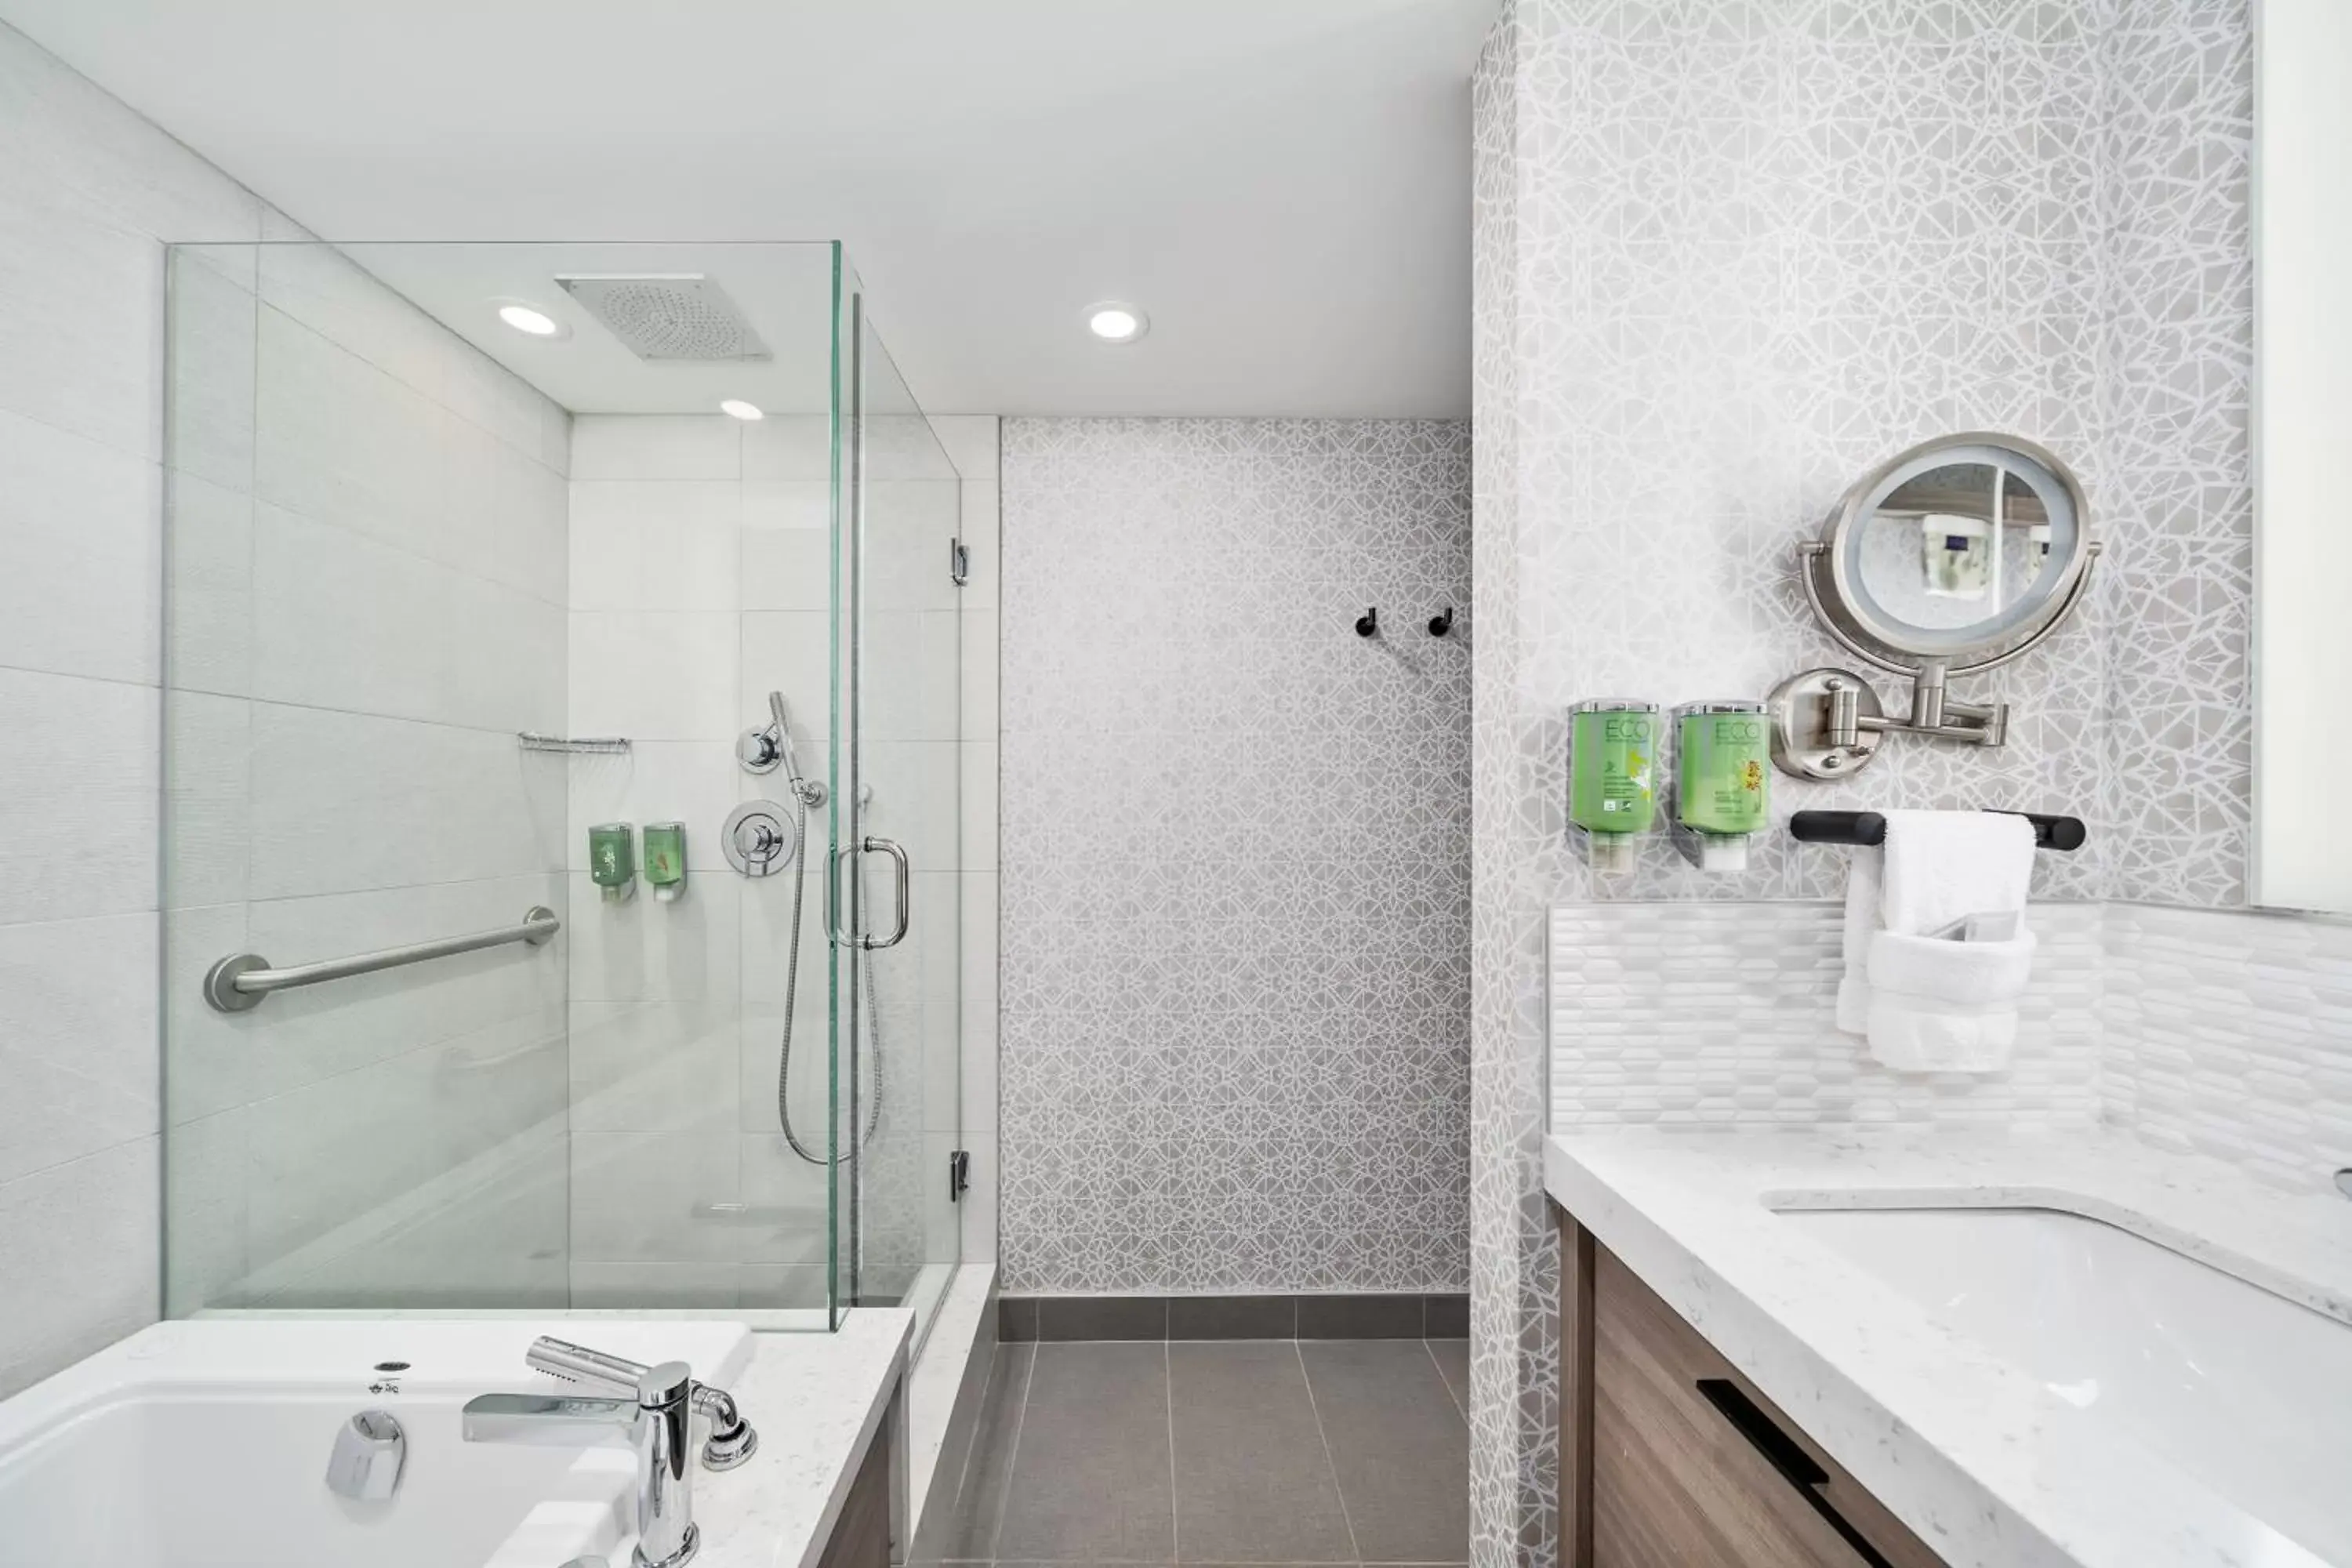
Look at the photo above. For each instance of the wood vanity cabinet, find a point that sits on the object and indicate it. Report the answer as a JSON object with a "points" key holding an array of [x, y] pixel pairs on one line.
{"points": [[861, 1535], [1669, 1459]]}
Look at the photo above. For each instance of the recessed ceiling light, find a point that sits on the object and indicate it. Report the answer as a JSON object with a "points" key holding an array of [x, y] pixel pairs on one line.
{"points": [[740, 409], [529, 319], [1115, 322]]}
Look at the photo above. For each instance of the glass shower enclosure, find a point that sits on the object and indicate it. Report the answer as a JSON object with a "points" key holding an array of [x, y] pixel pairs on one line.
{"points": [[560, 826]]}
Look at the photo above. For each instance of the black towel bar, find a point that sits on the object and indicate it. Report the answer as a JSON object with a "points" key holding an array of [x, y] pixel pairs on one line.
{"points": [[2065, 833]]}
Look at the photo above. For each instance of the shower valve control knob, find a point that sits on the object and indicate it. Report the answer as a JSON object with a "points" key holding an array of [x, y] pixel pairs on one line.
{"points": [[758, 750], [761, 839]]}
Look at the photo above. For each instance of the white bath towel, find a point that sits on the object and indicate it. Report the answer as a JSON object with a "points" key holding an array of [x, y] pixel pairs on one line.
{"points": [[1927, 1000]]}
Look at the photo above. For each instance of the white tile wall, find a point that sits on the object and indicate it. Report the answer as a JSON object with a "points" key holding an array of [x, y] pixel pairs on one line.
{"points": [[89, 194], [366, 599], [674, 1022]]}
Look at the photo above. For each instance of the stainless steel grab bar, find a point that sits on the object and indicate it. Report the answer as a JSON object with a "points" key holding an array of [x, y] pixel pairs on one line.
{"points": [[238, 983]]}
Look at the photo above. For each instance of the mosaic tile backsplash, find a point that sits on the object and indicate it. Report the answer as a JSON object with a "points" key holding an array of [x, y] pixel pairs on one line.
{"points": [[1235, 939], [1689, 1014], [2228, 1034]]}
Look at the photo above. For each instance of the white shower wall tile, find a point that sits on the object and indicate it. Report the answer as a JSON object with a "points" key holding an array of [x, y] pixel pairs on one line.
{"points": [[77, 800], [80, 594], [656, 675], [659, 446]]}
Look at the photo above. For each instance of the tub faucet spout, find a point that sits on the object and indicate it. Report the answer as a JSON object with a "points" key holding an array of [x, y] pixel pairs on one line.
{"points": [[658, 1423]]}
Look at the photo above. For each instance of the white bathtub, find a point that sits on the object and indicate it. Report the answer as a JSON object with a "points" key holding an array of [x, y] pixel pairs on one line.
{"points": [[205, 1444]]}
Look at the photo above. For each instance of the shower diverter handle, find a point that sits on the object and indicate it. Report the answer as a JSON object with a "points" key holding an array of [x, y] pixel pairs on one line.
{"points": [[902, 881]]}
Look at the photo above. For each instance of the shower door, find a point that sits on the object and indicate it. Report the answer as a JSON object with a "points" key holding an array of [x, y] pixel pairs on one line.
{"points": [[899, 958]]}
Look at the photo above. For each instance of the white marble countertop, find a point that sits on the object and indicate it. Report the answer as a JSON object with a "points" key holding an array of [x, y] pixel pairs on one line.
{"points": [[1988, 1466], [818, 1400]]}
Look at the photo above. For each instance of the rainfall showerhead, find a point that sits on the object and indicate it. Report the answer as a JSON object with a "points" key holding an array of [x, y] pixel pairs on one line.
{"points": [[666, 315]]}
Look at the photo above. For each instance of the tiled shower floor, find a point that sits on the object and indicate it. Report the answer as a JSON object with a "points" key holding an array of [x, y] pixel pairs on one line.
{"points": [[1263, 1451]]}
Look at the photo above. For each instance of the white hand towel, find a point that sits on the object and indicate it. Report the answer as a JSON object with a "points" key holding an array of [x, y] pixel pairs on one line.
{"points": [[1862, 884], [1926, 1001], [1944, 865]]}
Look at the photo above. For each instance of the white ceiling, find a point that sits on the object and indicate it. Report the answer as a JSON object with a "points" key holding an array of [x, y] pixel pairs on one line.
{"points": [[1284, 185]]}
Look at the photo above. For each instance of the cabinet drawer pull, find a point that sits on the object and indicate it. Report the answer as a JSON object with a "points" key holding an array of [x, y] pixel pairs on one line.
{"points": [[1785, 1455]]}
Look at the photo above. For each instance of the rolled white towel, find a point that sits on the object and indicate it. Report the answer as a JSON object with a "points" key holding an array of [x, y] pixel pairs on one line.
{"points": [[1939, 1005], [1927, 1001]]}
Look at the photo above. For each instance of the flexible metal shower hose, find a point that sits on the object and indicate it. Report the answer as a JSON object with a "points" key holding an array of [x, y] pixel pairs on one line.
{"points": [[791, 993]]}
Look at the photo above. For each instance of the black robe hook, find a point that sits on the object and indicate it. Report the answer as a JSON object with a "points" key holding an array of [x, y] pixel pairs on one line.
{"points": [[1369, 622], [1440, 625]]}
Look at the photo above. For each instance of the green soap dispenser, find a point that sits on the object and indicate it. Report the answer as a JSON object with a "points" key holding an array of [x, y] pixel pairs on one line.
{"points": [[1612, 765], [1722, 784], [665, 860], [613, 861]]}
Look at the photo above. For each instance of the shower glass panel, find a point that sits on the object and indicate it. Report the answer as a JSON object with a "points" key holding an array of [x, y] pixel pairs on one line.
{"points": [[901, 1041], [463, 561]]}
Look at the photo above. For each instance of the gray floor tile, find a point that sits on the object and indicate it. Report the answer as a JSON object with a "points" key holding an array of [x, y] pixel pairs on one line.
{"points": [[1453, 1357], [1252, 1481], [970, 1534], [1091, 1479], [1400, 1446]]}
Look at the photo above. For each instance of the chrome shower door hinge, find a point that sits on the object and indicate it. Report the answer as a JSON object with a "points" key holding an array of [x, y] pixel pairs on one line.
{"points": [[959, 561], [959, 1174]]}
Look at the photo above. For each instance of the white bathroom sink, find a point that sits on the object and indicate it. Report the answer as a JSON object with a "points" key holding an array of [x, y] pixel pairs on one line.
{"points": [[205, 1444], [2244, 1389]]}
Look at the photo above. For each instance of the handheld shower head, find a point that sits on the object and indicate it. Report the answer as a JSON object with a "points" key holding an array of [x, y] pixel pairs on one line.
{"points": [[809, 792]]}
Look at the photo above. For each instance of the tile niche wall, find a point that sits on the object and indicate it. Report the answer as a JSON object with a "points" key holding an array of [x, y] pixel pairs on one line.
{"points": [[1236, 855], [1683, 399]]}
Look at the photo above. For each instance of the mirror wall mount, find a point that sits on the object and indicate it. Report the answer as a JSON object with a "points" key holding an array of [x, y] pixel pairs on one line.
{"points": [[1953, 558]]}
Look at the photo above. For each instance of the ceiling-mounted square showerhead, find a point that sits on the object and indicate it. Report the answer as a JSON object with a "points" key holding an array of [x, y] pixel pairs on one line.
{"points": [[666, 315]]}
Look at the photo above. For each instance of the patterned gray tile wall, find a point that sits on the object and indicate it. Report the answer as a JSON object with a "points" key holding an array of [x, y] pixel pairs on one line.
{"points": [[1728, 256], [1235, 941], [1514, 1264], [2176, 377]]}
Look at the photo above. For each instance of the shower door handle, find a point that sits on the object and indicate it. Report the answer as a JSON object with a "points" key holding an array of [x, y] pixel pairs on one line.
{"points": [[833, 931], [903, 882]]}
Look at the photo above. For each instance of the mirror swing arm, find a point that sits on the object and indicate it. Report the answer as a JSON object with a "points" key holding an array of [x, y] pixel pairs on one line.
{"points": [[1828, 723]]}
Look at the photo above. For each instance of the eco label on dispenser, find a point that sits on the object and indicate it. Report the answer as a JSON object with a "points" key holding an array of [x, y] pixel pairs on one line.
{"points": [[1612, 773], [1722, 773]]}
